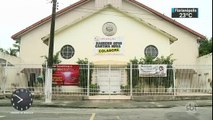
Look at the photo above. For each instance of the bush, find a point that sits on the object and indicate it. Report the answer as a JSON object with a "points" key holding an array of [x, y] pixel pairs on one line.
{"points": [[83, 72], [156, 81]]}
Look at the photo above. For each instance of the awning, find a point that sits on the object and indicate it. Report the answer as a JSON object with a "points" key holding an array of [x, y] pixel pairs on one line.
{"points": [[28, 71], [111, 62]]}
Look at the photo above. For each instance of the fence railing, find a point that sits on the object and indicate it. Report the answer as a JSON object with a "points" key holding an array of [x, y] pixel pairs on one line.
{"points": [[56, 91], [111, 80]]}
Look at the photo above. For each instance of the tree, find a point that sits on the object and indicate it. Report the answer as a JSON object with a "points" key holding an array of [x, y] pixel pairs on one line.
{"points": [[205, 47], [56, 59], [12, 51], [16, 46], [1, 50]]}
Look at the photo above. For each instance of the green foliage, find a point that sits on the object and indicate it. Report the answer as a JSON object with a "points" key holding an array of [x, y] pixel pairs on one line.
{"points": [[94, 89], [94, 86], [1, 50], [165, 60], [125, 88], [16, 49], [135, 73], [158, 60], [147, 60], [205, 47], [83, 63], [16, 45], [134, 61], [12, 51], [138, 82], [56, 59]]}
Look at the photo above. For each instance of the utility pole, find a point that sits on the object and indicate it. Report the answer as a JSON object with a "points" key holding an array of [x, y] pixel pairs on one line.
{"points": [[48, 75], [52, 31]]}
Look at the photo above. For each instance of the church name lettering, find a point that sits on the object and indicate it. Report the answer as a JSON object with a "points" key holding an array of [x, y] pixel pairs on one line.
{"points": [[108, 44]]}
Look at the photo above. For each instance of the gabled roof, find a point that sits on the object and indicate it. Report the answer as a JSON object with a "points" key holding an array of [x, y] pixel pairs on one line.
{"points": [[168, 19], [47, 19], [171, 37], [81, 2]]}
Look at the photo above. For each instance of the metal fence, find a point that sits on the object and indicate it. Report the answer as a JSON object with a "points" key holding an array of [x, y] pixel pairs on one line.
{"points": [[111, 80]]}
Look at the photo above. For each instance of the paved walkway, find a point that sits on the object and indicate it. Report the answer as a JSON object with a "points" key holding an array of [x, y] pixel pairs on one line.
{"points": [[106, 104]]}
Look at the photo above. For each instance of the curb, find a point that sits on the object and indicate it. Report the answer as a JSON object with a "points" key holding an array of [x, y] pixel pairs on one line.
{"points": [[170, 98], [112, 104]]}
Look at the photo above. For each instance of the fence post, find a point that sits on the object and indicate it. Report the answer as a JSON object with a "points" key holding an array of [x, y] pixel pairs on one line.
{"points": [[5, 78], [88, 78], [174, 79], [48, 85], [131, 80], [109, 75]]}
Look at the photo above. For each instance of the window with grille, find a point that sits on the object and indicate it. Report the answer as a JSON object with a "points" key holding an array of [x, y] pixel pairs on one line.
{"points": [[67, 52], [151, 50]]}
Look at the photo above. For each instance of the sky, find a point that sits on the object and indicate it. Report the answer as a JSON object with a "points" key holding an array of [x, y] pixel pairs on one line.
{"points": [[16, 15]]}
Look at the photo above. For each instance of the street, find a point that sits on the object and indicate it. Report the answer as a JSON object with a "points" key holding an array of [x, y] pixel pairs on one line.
{"points": [[50, 113]]}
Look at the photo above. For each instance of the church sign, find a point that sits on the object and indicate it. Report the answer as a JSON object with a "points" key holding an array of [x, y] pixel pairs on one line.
{"points": [[66, 74], [108, 45], [149, 70]]}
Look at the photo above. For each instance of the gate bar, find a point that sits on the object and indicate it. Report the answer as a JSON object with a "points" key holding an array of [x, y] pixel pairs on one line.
{"points": [[131, 80], [88, 78], [109, 75]]}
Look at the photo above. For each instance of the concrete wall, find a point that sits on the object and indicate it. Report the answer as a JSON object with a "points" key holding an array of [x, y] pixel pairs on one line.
{"points": [[10, 59], [205, 60], [11, 77], [102, 3], [1, 77], [135, 35], [10, 72], [205, 68], [14, 78]]}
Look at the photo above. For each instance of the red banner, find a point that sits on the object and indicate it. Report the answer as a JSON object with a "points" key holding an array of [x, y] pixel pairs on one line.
{"points": [[66, 74]]}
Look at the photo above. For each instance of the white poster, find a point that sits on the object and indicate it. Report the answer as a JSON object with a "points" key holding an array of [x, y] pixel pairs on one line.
{"points": [[159, 70], [108, 45]]}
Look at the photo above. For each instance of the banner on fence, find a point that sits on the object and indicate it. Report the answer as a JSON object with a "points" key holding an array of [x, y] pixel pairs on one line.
{"points": [[108, 45], [66, 74], [159, 70]]}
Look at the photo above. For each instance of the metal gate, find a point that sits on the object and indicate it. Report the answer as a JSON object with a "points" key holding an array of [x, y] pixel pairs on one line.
{"points": [[111, 82]]}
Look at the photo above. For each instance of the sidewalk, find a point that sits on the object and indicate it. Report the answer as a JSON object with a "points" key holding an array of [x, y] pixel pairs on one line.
{"points": [[117, 104]]}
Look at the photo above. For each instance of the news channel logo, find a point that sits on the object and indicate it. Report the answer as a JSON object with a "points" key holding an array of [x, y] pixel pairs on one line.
{"points": [[191, 107]]}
